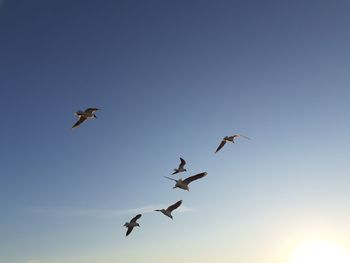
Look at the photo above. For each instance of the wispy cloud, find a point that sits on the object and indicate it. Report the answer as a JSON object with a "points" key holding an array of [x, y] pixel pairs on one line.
{"points": [[101, 213]]}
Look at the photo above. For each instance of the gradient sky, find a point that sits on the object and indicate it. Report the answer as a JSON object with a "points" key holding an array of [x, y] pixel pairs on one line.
{"points": [[172, 78]]}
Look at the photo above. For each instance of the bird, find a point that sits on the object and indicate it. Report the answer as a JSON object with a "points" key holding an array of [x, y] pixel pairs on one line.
{"points": [[180, 168], [89, 113], [183, 184], [230, 139], [130, 225], [170, 209]]}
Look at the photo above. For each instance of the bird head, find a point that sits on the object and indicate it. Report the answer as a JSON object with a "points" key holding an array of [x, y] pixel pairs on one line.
{"points": [[137, 224], [126, 224]]}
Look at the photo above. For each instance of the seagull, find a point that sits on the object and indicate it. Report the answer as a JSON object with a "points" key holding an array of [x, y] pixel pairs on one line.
{"points": [[89, 113], [230, 139], [183, 184], [181, 167], [132, 224], [170, 209]]}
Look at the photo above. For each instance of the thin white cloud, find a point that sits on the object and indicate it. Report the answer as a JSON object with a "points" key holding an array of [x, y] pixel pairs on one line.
{"points": [[102, 213]]}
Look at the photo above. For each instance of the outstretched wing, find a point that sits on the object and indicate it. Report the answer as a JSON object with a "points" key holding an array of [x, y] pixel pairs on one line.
{"points": [[220, 146], [174, 206], [80, 121], [129, 230], [245, 137], [192, 178], [91, 110], [135, 218], [182, 164], [170, 178]]}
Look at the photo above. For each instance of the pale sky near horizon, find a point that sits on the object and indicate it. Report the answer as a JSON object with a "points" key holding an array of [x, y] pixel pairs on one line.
{"points": [[172, 78]]}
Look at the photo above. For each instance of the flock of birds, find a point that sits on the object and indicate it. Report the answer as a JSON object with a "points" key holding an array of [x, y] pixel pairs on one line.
{"points": [[89, 113]]}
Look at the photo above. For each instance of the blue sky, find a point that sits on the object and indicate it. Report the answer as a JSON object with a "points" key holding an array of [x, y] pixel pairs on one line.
{"points": [[172, 78]]}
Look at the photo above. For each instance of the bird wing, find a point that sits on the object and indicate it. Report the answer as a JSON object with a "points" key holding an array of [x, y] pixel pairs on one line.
{"points": [[245, 137], [135, 218], [182, 164], [175, 172], [91, 110], [80, 121], [170, 178], [220, 146], [174, 206], [129, 231], [194, 177]]}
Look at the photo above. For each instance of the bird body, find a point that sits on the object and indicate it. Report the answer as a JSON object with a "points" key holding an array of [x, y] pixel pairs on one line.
{"points": [[130, 225], [181, 167], [183, 184], [89, 113], [167, 212]]}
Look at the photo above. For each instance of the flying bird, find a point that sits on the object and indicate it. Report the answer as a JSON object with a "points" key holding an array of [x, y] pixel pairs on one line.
{"points": [[170, 209], [132, 224], [89, 113], [230, 139], [181, 167], [183, 184]]}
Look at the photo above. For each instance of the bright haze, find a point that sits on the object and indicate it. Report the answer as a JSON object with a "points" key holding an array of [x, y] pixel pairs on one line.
{"points": [[171, 79]]}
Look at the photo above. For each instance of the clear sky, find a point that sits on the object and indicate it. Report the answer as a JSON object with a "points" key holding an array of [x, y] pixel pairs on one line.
{"points": [[172, 78]]}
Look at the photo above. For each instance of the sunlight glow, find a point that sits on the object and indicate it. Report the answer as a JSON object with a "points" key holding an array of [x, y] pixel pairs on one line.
{"points": [[319, 251]]}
